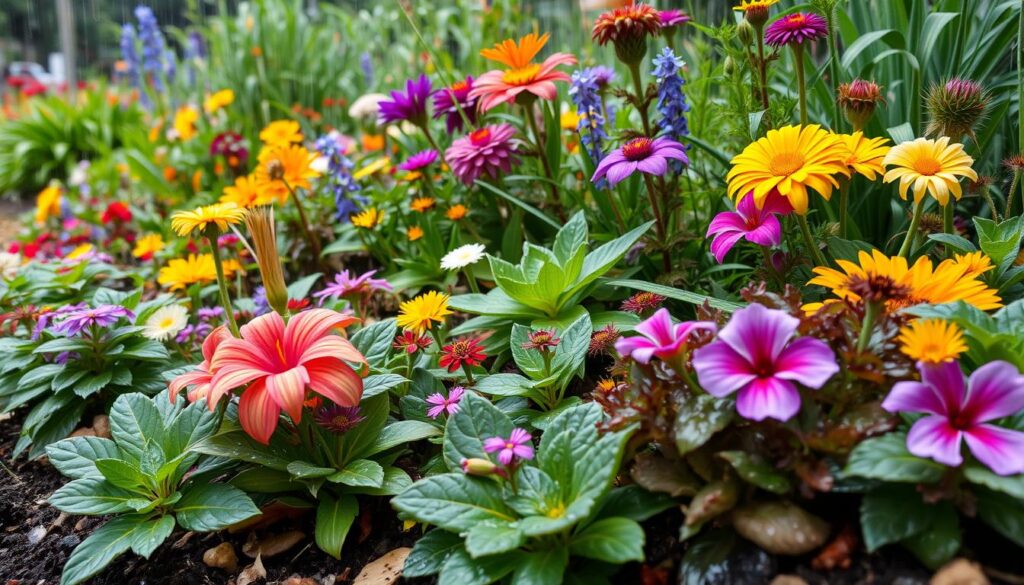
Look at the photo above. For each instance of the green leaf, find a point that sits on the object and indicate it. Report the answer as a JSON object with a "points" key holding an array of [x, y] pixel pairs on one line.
{"points": [[401, 433], [374, 341], [334, 518], [757, 472], [430, 552], [360, 473], [886, 458], [111, 541], [152, 534], [613, 540], [454, 501], [466, 430], [545, 566], [958, 243], [89, 385], [1003, 513], [461, 569], [380, 383], [307, 470], [75, 457], [698, 418], [937, 545], [893, 513], [504, 385], [604, 257], [134, 422], [1000, 241], [147, 350], [93, 496], [121, 473], [193, 424], [493, 537], [1011, 485], [213, 506]]}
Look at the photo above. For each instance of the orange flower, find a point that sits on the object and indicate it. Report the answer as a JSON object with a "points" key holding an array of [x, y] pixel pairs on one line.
{"points": [[372, 142], [284, 167], [523, 75], [414, 233], [456, 212]]}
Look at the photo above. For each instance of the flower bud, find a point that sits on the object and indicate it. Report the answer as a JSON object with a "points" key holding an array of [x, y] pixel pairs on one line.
{"points": [[756, 15], [955, 107], [729, 66], [479, 467], [858, 100], [628, 28], [260, 222], [745, 32]]}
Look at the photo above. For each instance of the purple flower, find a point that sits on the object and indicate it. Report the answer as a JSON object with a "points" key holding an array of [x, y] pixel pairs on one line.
{"points": [[445, 102], [661, 338], [442, 404], [603, 75], [760, 226], [672, 17], [410, 105], [346, 284], [487, 150], [338, 419], [73, 323], [420, 160], [644, 154], [756, 354], [210, 313], [796, 28], [516, 445], [957, 415]]}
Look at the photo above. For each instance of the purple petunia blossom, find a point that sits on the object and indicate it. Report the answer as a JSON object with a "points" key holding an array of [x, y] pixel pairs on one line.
{"points": [[420, 160], [640, 154], [72, 324], [345, 283], [445, 102], [516, 445], [441, 404], [487, 150], [957, 414], [756, 355], [796, 28], [660, 337], [410, 105], [760, 226]]}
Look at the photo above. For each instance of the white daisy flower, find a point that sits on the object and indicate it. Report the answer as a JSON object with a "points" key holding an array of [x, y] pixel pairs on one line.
{"points": [[9, 264], [463, 256], [365, 106], [165, 322]]}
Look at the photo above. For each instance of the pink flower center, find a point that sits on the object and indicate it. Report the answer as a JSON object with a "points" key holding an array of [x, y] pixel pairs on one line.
{"points": [[480, 137], [638, 149]]}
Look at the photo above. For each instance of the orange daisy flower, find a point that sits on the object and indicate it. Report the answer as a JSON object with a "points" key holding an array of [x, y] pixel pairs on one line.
{"points": [[523, 75]]}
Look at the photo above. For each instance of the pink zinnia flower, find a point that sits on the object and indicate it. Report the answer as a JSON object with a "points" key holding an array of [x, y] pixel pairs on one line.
{"points": [[279, 362], [957, 414], [516, 445], [487, 150], [796, 28], [756, 355], [441, 404], [644, 154], [660, 337], [199, 379], [523, 75], [673, 17], [346, 284], [448, 101], [760, 226]]}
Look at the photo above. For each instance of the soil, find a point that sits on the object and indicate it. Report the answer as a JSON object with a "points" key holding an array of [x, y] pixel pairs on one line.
{"points": [[36, 539]]}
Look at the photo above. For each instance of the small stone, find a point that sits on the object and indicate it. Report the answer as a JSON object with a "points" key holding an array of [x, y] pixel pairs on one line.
{"points": [[221, 556], [101, 426], [36, 534], [960, 572], [70, 541], [788, 580]]}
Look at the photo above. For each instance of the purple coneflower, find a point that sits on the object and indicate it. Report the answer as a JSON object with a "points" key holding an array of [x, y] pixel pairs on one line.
{"points": [[760, 226], [445, 102], [644, 154], [419, 161], [796, 28], [756, 355], [410, 105], [441, 404], [345, 283], [73, 323], [338, 419], [487, 150], [516, 445], [660, 338]]}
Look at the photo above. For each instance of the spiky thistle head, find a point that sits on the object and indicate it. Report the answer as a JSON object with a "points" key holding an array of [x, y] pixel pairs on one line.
{"points": [[955, 107]]}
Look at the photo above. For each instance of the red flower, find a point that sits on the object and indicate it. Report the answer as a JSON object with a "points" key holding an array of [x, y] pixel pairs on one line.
{"points": [[463, 351], [410, 343], [117, 211], [296, 305]]}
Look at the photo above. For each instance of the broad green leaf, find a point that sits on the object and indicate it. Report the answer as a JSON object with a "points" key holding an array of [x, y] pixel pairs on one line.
{"points": [[466, 431], [504, 385], [307, 470], [698, 418], [193, 424], [613, 540], [92, 496], [401, 433], [1003, 513], [454, 501], [545, 566], [134, 422], [75, 457], [461, 569], [893, 513], [121, 473], [757, 472], [334, 518], [1011, 485], [360, 473], [675, 293], [430, 552], [380, 383], [887, 458], [213, 506], [374, 341], [603, 258], [493, 537], [109, 542], [92, 383], [151, 535], [937, 545]]}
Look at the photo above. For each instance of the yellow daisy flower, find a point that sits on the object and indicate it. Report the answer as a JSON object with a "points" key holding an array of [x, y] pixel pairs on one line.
{"points": [[791, 159], [48, 203], [184, 272], [185, 122], [929, 166], [281, 133], [932, 340], [977, 263], [865, 155], [219, 214], [379, 165], [285, 166], [418, 314], [245, 193], [147, 246], [746, 5], [422, 204], [218, 100], [368, 218]]}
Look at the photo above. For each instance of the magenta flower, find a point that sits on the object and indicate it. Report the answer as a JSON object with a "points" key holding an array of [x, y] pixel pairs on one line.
{"points": [[673, 17], [487, 150], [956, 414], [442, 404], [445, 102], [345, 284], [410, 105], [74, 322], [516, 445], [419, 161], [796, 28], [660, 337], [756, 355], [644, 154], [760, 226]]}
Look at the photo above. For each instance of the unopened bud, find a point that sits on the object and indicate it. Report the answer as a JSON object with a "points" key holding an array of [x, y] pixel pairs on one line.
{"points": [[858, 100], [955, 107], [745, 33], [480, 467], [729, 66]]}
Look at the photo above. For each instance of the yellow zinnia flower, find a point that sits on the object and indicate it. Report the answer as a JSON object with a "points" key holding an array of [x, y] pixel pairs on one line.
{"points": [[48, 203], [185, 122], [184, 272], [930, 166], [79, 251], [283, 167], [368, 218], [894, 281], [147, 246], [218, 100], [418, 314], [864, 155], [746, 5], [932, 340], [219, 214], [281, 133], [791, 160]]}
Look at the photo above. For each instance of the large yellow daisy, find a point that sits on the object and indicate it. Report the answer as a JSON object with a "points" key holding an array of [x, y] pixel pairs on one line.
{"points": [[932, 340], [419, 313], [930, 166], [792, 160], [286, 166], [219, 214], [183, 272], [281, 133], [247, 193], [864, 155]]}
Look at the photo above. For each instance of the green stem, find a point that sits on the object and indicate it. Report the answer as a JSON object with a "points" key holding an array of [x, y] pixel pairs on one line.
{"points": [[1012, 193], [961, 34], [433, 143], [311, 237], [470, 279], [871, 310], [844, 206], [641, 103], [771, 267], [222, 285], [833, 49], [762, 67], [659, 223], [915, 221], [532, 121], [469, 373], [805, 230], [798, 55]]}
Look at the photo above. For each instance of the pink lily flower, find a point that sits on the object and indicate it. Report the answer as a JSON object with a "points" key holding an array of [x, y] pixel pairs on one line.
{"points": [[199, 379], [760, 226], [957, 414], [756, 355], [659, 337], [279, 362]]}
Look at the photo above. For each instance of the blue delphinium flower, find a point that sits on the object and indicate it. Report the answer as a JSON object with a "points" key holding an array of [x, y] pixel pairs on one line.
{"points": [[195, 51], [339, 177], [130, 56], [152, 45], [366, 64], [259, 298], [672, 105], [585, 94]]}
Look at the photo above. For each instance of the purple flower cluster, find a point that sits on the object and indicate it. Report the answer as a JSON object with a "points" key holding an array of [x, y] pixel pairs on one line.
{"points": [[198, 332], [153, 45], [585, 93], [450, 404], [672, 104], [72, 323], [130, 56], [420, 160], [366, 64], [410, 105], [339, 177]]}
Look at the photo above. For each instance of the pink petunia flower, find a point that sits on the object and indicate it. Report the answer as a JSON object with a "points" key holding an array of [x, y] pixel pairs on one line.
{"points": [[487, 150], [516, 445], [756, 355], [659, 337], [640, 154], [442, 404], [957, 414], [760, 226]]}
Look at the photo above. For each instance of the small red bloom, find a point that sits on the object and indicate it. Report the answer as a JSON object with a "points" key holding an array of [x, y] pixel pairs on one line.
{"points": [[463, 351], [410, 343], [602, 339], [297, 305], [543, 340], [642, 302], [117, 211]]}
